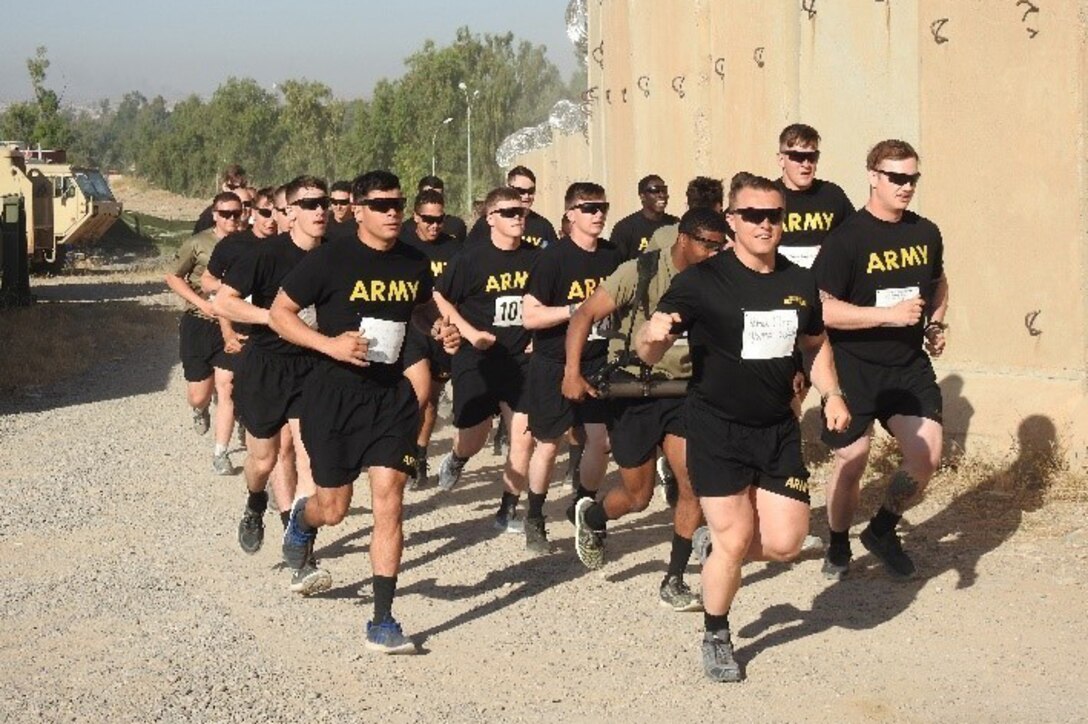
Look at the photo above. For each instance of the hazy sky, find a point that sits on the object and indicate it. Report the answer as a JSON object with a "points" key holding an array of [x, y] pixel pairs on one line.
{"points": [[104, 48]]}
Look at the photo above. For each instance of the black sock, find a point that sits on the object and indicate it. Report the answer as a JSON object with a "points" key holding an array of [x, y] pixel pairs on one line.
{"points": [[716, 623], [508, 503], [840, 538], [536, 505], [680, 555], [257, 502], [458, 459], [580, 492], [384, 588], [883, 522], [284, 517], [596, 518]]}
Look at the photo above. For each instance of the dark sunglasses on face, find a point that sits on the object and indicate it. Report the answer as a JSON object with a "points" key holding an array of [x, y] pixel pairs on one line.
{"points": [[525, 191], [266, 213], [592, 207], [229, 213], [312, 203], [802, 156], [384, 205], [901, 179], [434, 220], [656, 190], [281, 209], [510, 212], [339, 202], [758, 216], [708, 244]]}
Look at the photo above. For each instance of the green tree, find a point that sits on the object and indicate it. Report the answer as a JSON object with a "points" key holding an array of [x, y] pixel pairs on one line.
{"points": [[309, 125], [244, 128], [39, 121]]}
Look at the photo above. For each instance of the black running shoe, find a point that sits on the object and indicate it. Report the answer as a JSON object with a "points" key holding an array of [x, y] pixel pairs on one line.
{"points": [[718, 661], [419, 479], [890, 552], [536, 537], [251, 531], [837, 562]]}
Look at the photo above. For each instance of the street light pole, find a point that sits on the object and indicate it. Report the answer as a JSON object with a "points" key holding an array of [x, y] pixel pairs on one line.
{"points": [[435, 138], [468, 104]]}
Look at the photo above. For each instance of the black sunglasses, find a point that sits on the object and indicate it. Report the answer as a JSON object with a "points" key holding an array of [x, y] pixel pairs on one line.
{"points": [[708, 244], [802, 156], [758, 216], [656, 190], [384, 205], [281, 209], [510, 212], [529, 191], [592, 207], [266, 213], [312, 203], [339, 202], [901, 179], [428, 219], [229, 213]]}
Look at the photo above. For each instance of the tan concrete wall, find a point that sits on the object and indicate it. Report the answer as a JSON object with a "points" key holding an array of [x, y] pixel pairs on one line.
{"points": [[994, 99]]}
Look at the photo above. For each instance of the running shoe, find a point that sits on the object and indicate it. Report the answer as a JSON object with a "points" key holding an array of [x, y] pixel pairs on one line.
{"points": [[419, 479], [718, 662], [678, 596], [588, 543], [700, 544], [812, 543], [837, 562], [507, 521], [251, 531], [202, 420], [449, 472], [222, 465], [296, 544], [387, 637], [670, 489], [890, 552], [308, 579], [536, 537]]}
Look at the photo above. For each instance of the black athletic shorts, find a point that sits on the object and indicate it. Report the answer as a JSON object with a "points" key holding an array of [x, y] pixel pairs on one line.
{"points": [[482, 381], [267, 389], [418, 346], [200, 343], [636, 427], [725, 457], [349, 424], [878, 392], [551, 414]]}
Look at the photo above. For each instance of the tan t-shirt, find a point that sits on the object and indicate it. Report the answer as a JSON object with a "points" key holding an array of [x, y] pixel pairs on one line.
{"points": [[191, 261], [622, 286], [663, 238]]}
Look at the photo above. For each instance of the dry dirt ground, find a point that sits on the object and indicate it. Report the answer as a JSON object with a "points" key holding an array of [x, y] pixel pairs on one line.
{"points": [[125, 596]]}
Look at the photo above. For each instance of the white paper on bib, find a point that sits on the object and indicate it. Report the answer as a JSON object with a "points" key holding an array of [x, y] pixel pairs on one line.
{"points": [[800, 255], [769, 335], [384, 339], [891, 297], [508, 311]]}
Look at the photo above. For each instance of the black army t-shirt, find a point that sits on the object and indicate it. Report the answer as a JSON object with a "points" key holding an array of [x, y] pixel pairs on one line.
{"points": [[743, 328], [487, 287], [538, 231], [632, 234], [354, 287], [258, 276], [810, 216], [565, 273], [231, 248], [439, 252], [348, 228], [452, 225], [872, 263]]}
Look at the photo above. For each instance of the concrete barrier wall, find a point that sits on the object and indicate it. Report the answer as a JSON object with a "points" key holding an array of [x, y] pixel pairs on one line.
{"points": [[991, 93]]}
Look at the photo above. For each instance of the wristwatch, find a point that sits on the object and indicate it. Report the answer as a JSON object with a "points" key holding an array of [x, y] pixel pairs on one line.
{"points": [[571, 309]]}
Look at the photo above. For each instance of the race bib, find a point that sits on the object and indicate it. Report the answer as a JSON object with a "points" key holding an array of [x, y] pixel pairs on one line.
{"points": [[891, 297], [384, 339], [769, 335], [309, 316], [508, 311], [800, 255]]}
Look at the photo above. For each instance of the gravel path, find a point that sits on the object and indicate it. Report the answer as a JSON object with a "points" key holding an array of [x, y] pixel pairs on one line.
{"points": [[126, 598]]}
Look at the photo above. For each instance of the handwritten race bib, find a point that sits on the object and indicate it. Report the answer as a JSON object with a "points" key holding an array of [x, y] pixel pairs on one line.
{"points": [[508, 312], [384, 338], [309, 316], [891, 297], [800, 255], [769, 335]]}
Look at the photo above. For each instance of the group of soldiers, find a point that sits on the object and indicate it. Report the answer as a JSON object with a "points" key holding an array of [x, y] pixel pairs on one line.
{"points": [[329, 325]]}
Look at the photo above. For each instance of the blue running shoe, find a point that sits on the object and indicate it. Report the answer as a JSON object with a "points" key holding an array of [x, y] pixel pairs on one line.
{"points": [[388, 638], [296, 544]]}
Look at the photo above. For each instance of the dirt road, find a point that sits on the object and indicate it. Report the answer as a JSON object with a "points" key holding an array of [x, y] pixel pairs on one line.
{"points": [[125, 596]]}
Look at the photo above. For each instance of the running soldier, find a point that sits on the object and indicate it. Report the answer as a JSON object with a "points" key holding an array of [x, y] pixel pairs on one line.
{"points": [[234, 178], [452, 225], [745, 311], [885, 295], [563, 277], [206, 365], [341, 220], [481, 294], [279, 210], [632, 234], [359, 412], [273, 370], [426, 364], [538, 230], [638, 426]]}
